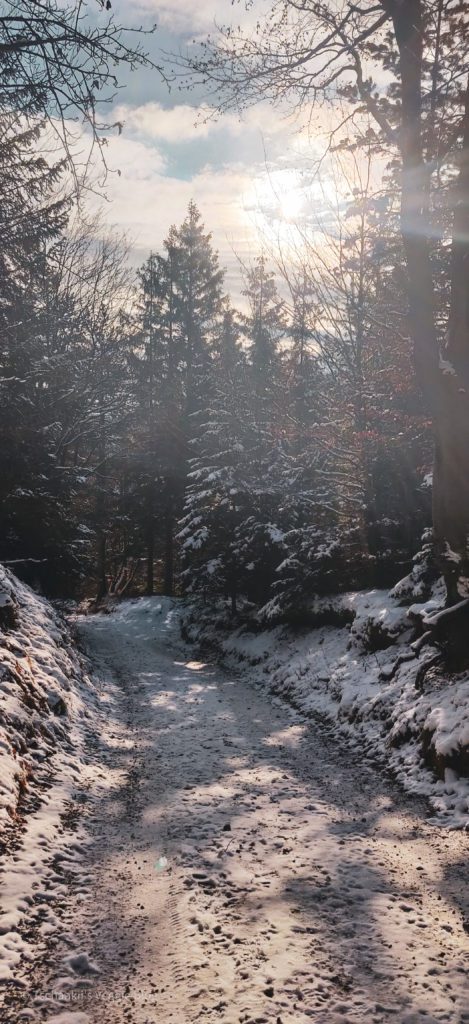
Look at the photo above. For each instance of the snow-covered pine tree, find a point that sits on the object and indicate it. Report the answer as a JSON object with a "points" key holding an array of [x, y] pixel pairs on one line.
{"points": [[217, 495], [260, 535], [153, 363], [177, 322], [172, 447], [307, 513], [36, 528], [198, 296]]}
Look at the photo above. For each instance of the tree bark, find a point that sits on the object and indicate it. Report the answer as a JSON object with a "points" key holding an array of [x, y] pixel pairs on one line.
{"points": [[451, 480], [443, 383], [150, 491], [169, 552], [408, 27], [150, 531], [101, 566], [101, 481]]}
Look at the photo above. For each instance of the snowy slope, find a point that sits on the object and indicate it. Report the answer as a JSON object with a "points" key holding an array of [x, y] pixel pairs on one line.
{"points": [[362, 679], [47, 704]]}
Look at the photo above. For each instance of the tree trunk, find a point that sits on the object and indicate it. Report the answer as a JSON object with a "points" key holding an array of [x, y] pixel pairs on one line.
{"points": [[101, 566], [101, 482], [169, 552], [408, 27], [150, 532], [444, 384], [451, 480]]}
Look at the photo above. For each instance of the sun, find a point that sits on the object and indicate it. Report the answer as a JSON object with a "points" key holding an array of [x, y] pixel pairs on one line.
{"points": [[291, 203], [276, 198]]}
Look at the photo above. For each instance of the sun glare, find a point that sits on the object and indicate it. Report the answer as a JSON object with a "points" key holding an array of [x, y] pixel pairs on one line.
{"points": [[277, 195], [291, 203], [280, 201]]}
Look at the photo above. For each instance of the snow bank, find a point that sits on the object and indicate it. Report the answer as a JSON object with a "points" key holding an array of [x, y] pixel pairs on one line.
{"points": [[41, 692], [366, 681], [140, 613], [46, 704]]}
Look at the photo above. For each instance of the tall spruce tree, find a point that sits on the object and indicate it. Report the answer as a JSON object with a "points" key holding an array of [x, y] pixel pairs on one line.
{"points": [[217, 497], [34, 492], [260, 539], [175, 348], [198, 282]]}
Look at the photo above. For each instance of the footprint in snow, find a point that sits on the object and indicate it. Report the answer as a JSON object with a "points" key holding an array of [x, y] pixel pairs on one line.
{"points": [[81, 964]]}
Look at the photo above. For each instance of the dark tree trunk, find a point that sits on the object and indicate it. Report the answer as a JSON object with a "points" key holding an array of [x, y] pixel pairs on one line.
{"points": [[444, 386], [451, 482], [169, 552], [101, 566], [150, 538], [408, 26], [101, 540]]}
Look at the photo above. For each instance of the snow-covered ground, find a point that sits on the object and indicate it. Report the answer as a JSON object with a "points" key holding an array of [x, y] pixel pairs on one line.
{"points": [[48, 707], [362, 678], [243, 866]]}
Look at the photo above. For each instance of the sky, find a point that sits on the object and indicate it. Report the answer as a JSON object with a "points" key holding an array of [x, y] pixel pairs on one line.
{"points": [[245, 175]]}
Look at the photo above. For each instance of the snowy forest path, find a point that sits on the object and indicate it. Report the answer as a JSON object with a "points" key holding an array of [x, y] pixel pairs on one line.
{"points": [[247, 870]]}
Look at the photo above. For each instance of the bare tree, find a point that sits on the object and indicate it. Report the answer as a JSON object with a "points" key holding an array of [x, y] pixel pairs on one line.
{"points": [[94, 291], [60, 62]]}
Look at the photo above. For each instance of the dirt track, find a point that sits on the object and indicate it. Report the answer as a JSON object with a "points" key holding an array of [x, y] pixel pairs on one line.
{"points": [[244, 869]]}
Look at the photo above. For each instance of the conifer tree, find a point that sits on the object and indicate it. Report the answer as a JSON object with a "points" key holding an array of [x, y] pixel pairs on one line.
{"points": [[264, 326], [34, 495], [180, 321], [217, 495]]}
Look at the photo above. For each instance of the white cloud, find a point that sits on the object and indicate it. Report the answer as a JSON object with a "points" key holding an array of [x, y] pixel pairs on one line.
{"points": [[144, 202], [244, 204], [186, 123], [182, 123], [197, 17], [133, 159]]}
